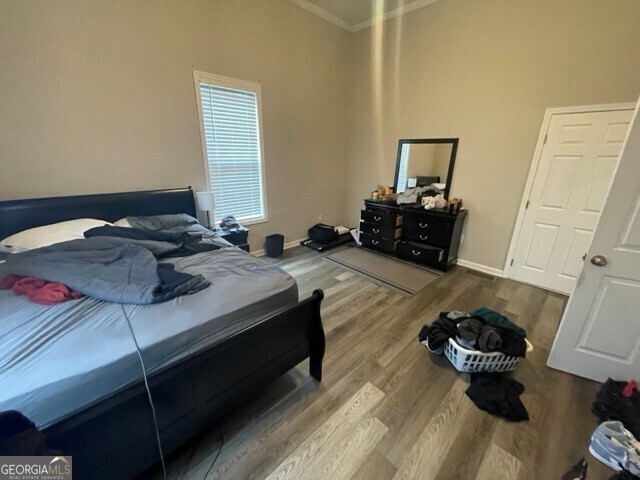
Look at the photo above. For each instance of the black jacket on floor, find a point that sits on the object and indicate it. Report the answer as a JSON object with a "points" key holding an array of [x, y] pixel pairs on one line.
{"points": [[497, 394]]}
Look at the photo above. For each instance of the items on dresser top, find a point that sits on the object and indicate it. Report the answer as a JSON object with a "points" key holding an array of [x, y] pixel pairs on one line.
{"points": [[383, 190], [437, 201], [410, 196], [430, 237]]}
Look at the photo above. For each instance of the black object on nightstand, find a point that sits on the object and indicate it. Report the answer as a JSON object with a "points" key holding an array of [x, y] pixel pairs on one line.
{"points": [[237, 236]]}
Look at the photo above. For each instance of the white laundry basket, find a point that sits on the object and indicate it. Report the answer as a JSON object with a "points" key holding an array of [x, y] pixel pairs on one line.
{"points": [[466, 360]]}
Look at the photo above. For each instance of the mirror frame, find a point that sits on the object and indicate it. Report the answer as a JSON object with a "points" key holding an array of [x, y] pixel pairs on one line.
{"points": [[452, 160]]}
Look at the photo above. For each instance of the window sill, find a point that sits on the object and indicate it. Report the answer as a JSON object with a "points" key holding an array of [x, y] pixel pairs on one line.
{"points": [[254, 222]]}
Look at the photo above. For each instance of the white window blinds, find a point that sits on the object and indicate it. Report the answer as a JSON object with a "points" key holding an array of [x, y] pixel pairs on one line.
{"points": [[402, 171], [231, 131]]}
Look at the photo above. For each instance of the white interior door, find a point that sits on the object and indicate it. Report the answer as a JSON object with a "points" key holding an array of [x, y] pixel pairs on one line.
{"points": [[569, 190], [599, 335]]}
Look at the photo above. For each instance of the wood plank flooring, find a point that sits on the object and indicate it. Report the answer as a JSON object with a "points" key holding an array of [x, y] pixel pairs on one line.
{"points": [[386, 409]]}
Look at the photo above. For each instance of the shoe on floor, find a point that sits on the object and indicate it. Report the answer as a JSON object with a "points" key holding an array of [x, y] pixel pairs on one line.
{"points": [[616, 447], [623, 476], [628, 389], [612, 407], [620, 393], [577, 472]]}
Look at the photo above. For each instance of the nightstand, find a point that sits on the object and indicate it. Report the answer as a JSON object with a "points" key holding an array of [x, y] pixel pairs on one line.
{"points": [[236, 236]]}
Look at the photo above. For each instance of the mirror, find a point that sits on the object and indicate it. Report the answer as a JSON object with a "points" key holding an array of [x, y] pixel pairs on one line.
{"points": [[425, 162]]}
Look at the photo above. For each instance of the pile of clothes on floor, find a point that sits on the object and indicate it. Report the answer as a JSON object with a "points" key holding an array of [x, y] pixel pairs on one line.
{"points": [[482, 329], [614, 442], [485, 330]]}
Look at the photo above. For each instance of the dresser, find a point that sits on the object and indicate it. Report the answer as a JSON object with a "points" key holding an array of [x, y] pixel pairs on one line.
{"points": [[429, 237]]}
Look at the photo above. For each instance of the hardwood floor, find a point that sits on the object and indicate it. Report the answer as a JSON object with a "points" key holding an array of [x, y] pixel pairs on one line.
{"points": [[386, 408]]}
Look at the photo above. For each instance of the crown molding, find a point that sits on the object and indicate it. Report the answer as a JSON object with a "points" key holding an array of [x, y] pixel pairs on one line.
{"points": [[330, 17], [392, 14], [322, 13]]}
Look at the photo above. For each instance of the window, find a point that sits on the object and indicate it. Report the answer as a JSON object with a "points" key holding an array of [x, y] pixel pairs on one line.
{"points": [[231, 131], [402, 171]]}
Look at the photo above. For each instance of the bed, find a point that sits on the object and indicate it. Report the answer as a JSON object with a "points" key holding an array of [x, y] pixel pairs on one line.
{"points": [[203, 353]]}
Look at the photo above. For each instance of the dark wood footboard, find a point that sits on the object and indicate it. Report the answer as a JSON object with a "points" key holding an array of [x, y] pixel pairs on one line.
{"points": [[115, 437], [316, 339]]}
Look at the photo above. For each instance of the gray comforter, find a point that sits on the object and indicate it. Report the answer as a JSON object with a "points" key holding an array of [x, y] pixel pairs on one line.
{"points": [[107, 268], [56, 359]]}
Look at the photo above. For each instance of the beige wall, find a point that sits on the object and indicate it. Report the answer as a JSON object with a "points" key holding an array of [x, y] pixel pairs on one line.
{"points": [[98, 96], [485, 71]]}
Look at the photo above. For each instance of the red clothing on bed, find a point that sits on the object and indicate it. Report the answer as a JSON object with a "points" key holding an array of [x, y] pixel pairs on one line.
{"points": [[39, 290]]}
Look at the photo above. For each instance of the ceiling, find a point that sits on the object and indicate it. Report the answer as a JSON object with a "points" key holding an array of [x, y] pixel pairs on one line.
{"points": [[354, 15]]}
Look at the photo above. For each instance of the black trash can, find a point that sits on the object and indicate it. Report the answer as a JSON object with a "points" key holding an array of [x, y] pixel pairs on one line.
{"points": [[275, 245]]}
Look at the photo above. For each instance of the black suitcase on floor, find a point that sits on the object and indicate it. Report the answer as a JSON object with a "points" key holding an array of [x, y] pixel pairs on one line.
{"points": [[323, 234]]}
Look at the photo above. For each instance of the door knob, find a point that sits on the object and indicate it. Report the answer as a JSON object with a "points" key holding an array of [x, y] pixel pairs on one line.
{"points": [[599, 260]]}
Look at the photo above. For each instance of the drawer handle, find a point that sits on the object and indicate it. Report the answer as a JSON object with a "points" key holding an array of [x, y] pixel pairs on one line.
{"points": [[375, 242], [417, 254], [376, 219], [423, 237], [423, 225], [376, 231]]}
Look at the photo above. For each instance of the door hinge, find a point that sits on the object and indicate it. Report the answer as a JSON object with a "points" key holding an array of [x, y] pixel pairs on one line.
{"points": [[546, 135], [526, 205], [511, 262]]}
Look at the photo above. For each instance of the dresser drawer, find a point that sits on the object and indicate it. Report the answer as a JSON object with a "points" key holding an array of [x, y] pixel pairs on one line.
{"points": [[419, 253], [384, 244], [427, 224], [382, 219], [376, 230], [425, 236]]}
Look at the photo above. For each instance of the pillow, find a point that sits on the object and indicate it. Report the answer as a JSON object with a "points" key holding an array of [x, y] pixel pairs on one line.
{"points": [[49, 234], [172, 223], [123, 222]]}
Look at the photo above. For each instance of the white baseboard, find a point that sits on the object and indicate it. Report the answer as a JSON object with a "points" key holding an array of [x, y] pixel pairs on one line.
{"points": [[287, 246], [481, 268]]}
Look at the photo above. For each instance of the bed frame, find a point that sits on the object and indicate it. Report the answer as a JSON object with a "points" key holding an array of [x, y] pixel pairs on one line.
{"points": [[115, 437]]}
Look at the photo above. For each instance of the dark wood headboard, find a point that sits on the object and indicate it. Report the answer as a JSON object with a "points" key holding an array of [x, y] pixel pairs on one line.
{"points": [[19, 215]]}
